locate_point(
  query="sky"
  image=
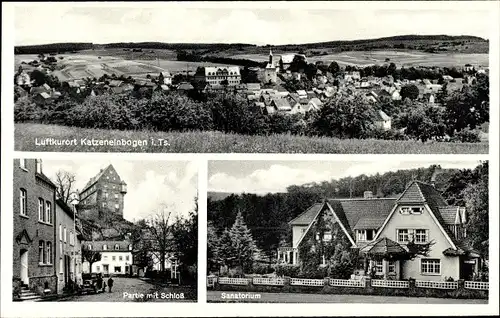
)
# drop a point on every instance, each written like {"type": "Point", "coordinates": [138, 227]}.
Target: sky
{"type": "Point", "coordinates": [287, 23]}
{"type": "Point", "coordinates": [150, 184]}
{"type": "Point", "coordinates": [275, 176]}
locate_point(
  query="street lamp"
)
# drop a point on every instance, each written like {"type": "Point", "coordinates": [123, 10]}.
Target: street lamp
{"type": "Point", "coordinates": [74, 202]}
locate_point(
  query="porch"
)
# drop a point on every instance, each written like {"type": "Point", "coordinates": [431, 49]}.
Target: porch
{"type": "Point", "coordinates": [383, 258]}
{"type": "Point", "coordinates": [288, 255]}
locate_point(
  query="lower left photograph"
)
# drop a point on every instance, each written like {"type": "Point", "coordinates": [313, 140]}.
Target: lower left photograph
{"type": "Point", "coordinates": [105, 231]}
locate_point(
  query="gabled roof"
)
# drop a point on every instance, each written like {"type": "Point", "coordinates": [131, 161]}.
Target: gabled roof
{"type": "Point", "coordinates": [383, 116]}
{"type": "Point", "coordinates": [449, 214]}
{"type": "Point", "coordinates": [383, 246]}
{"type": "Point", "coordinates": [306, 217]}
{"type": "Point", "coordinates": [110, 246]}
{"type": "Point", "coordinates": [281, 103]}
{"type": "Point", "coordinates": [98, 176]}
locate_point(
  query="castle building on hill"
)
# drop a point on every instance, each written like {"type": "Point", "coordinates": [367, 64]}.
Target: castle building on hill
{"type": "Point", "coordinates": [103, 194]}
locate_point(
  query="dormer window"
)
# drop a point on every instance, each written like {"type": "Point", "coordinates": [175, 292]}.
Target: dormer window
{"type": "Point", "coordinates": [365, 235]}
{"type": "Point", "coordinates": [89, 247]}
{"type": "Point", "coordinates": [117, 247]}
{"type": "Point", "coordinates": [411, 210]}
{"type": "Point", "coordinates": [104, 247]}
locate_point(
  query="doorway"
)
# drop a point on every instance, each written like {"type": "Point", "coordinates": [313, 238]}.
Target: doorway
{"type": "Point", "coordinates": [24, 267]}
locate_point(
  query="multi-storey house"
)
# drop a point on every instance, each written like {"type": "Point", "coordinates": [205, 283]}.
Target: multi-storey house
{"type": "Point", "coordinates": [387, 227]}
{"type": "Point", "coordinates": [116, 257]}
{"type": "Point", "coordinates": [34, 234]}
{"type": "Point", "coordinates": [68, 247]}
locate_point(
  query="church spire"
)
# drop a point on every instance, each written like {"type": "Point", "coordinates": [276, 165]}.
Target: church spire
{"type": "Point", "coordinates": [270, 56]}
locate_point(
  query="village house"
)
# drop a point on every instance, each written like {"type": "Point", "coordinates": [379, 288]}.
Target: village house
{"type": "Point", "coordinates": [68, 247]}
{"type": "Point", "coordinates": [116, 257]}
{"type": "Point", "coordinates": [383, 121]}
{"type": "Point", "coordinates": [34, 271]}
{"type": "Point", "coordinates": [386, 227]}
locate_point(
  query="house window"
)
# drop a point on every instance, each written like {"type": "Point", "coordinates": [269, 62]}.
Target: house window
{"type": "Point", "coordinates": [370, 235]}
{"type": "Point", "coordinates": [60, 232]}
{"type": "Point", "coordinates": [104, 247]}
{"type": "Point", "coordinates": [327, 236]}
{"type": "Point", "coordinates": [65, 234]}
{"type": "Point", "coordinates": [41, 252]}
{"type": "Point", "coordinates": [105, 257]}
{"type": "Point", "coordinates": [120, 258]}
{"type": "Point", "coordinates": [118, 269]}
{"type": "Point", "coordinates": [41, 212]}
{"type": "Point", "coordinates": [404, 210]}
{"type": "Point", "coordinates": [379, 266]}
{"type": "Point", "coordinates": [417, 210]}
{"type": "Point", "coordinates": [22, 202]}
{"type": "Point", "coordinates": [361, 235]}
{"type": "Point", "coordinates": [117, 247]}
{"type": "Point", "coordinates": [98, 268]}
{"type": "Point", "coordinates": [430, 266]}
{"type": "Point", "coordinates": [113, 258]}
{"type": "Point", "coordinates": [403, 235]}
{"type": "Point", "coordinates": [392, 267]}
{"type": "Point", "coordinates": [23, 163]}
{"type": "Point", "coordinates": [127, 258]}
{"type": "Point", "coordinates": [411, 210]}
{"type": "Point", "coordinates": [61, 266]}
{"type": "Point", "coordinates": [421, 236]}
{"type": "Point", "coordinates": [71, 238]}
{"type": "Point", "coordinates": [49, 253]}
{"type": "Point", "coordinates": [130, 247]}
{"type": "Point", "coordinates": [48, 212]}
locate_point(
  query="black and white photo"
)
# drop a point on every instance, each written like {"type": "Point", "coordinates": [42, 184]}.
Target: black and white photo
{"type": "Point", "coordinates": [100, 231]}
{"type": "Point", "coordinates": [348, 232]}
{"type": "Point", "coordinates": [251, 80]}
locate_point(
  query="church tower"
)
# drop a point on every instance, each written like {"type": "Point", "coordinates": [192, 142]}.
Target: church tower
{"type": "Point", "coordinates": [270, 73]}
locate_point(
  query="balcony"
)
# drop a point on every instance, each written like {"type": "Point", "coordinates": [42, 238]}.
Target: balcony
{"type": "Point", "coordinates": [288, 255]}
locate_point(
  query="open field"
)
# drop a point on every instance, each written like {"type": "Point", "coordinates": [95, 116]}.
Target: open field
{"type": "Point", "coordinates": [27, 135]}
{"type": "Point", "coordinates": [78, 66]}
{"type": "Point", "coordinates": [401, 58]}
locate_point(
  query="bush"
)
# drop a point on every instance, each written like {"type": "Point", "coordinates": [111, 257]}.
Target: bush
{"type": "Point", "coordinates": [262, 269]}
{"type": "Point", "coordinates": [287, 270]}
{"type": "Point", "coordinates": [466, 135]}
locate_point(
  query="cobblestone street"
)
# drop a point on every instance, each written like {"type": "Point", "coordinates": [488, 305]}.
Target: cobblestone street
{"type": "Point", "coordinates": [134, 289]}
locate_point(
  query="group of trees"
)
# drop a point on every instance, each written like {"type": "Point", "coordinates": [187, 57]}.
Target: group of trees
{"type": "Point", "coordinates": [232, 249]}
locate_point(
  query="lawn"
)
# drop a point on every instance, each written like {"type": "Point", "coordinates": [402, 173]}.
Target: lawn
{"type": "Point", "coordinates": [27, 135]}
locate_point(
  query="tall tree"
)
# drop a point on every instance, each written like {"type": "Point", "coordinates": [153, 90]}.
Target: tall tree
{"type": "Point", "coordinates": [243, 243]}
{"type": "Point", "coordinates": [90, 256]}
{"type": "Point", "coordinates": [65, 182]}
{"type": "Point", "coordinates": [160, 226]}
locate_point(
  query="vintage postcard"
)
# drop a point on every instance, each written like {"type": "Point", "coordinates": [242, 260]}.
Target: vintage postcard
{"type": "Point", "coordinates": [348, 232]}
{"type": "Point", "coordinates": [83, 231]}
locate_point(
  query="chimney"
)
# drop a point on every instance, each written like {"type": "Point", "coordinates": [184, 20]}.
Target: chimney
{"type": "Point", "coordinates": [368, 194]}
{"type": "Point", "coordinates": [436, 172]}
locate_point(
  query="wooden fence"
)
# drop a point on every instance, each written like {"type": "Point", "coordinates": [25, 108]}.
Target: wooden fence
{"type": "Point", "coordinates": [279, 281]}
{"type": "Point", "coordinates": [347, 282]}
{"type": "Point", "coordinates": [307, 282]}
{"type": "Point", "coordinates": [268, 281]}
{"type": "Point", "coordinates": [439, 285]}
{"type": "Point", "coordinates": [390, 283]}
{"type": "Point", "coordinates": [477, 285]}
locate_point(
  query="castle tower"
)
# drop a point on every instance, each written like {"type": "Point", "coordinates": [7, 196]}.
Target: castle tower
{"type": "Point", "coordinates": [104, 194]}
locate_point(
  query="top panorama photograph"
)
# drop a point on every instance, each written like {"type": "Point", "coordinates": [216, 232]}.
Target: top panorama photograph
{"type": "Point", "coordinates": [182, 79]}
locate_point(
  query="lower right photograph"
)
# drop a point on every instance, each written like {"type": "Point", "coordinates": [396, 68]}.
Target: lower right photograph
{"type": "Point", "coordinates": [384, 231]}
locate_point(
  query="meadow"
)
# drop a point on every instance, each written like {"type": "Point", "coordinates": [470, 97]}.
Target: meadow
{"type": "Point", "coordinates": [27, 134]}
{"type": "Point", "coordinates": [401, 58]}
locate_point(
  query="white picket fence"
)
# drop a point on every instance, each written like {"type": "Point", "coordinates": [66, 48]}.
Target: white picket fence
{"type": "Point", "coordinates": [347, 282]}
{"type": "Point", "coordinates": [269, 281]}
{"type": "Point", "coordinates": [307, 282]}
{"type": "Point", "coordinates": [477, 285]}
{"type": "Point", "coordinates": [439, 285]}
{"type": "Point", "coordinates": [390, 283]}
{"type": "Point", "coordinates": [233, 281]}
